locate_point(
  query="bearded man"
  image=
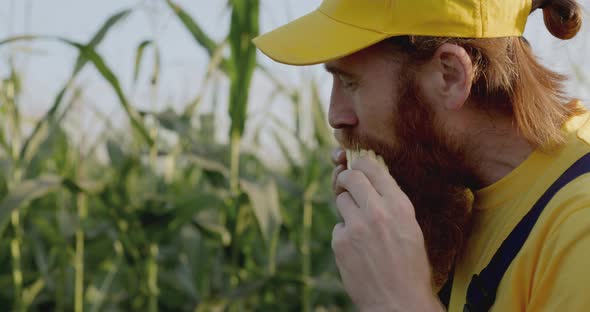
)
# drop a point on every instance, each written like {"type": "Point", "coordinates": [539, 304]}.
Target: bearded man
{"type": "Point", "coordinates": [487, 191]}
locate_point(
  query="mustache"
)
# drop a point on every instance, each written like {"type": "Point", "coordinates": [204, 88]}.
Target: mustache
{"type": "Point", "coordinates": [349, 139]}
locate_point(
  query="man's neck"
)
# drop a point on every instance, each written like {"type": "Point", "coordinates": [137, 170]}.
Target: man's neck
{"type": "Point", "coordinates": [496, 150]}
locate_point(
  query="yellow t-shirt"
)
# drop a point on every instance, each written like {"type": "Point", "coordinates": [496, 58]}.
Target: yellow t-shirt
{"type": "Point", "coordinates": [552, 270]}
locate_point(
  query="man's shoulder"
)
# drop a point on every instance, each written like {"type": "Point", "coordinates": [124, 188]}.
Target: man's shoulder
{"type": "Point", "coordinates": [575, 195]}
{"type": "Point", "coordinates": [565, 224]}
{"type": "Point", "coordinates": [583, 132]}
{"type": "Point", "coordinates": [561, 265]}
{"type": "Point", "coordinates": [570, 205]}
{"type": "Point", "coordinates": [568, 234]}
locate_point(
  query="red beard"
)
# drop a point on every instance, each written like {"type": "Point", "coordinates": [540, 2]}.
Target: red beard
{"type": "Point", "coordinates": [431, 169]}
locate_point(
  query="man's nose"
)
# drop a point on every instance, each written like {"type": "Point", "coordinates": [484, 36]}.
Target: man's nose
{"type": "Point", "coordinates": [341, 113]}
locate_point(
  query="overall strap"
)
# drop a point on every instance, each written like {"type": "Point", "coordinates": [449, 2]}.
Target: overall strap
{"type": "Point", "coordinates": [445, 292]}
{"type": "Point", "coordinates": [481, 293]}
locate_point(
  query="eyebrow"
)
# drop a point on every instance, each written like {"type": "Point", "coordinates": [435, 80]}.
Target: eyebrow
{"type": "Point", "coordinates": [338, 71]}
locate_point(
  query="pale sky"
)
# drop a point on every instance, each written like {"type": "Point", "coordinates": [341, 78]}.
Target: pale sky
{"type": "Point", "coordinates": [46, 66]}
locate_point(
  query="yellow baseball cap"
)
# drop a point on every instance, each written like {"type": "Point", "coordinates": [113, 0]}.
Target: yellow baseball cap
{"type": "Point", "coordinates": [341, 27]}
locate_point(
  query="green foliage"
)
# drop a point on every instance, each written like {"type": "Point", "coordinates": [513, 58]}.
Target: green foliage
{"type": "Point", "coordinates": [187, 224]}
{"type": "Point", "coordinates": [138, 58]}
{"type": "Point", "coordinates": [244, 27]}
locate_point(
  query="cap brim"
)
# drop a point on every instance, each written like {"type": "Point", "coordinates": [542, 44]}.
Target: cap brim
{"type": "Point", "coordinates": [315, 38]}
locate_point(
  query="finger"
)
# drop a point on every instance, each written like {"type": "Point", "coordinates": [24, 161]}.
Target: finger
{"type": "Point", "coordinates": [336, 188]}
{"type": "Point", "coordinates": [338, 228]}
{"type": "Point", "coordinates": [337, 236]}
{"type": "Point", "coordinates": [339, 156]}
{"type": "Point", "coordinates": [347, 207]}
{"type": "Point", "coordinates": [378, 176]}
{"type": "Point", "coordinates": [358, 185]}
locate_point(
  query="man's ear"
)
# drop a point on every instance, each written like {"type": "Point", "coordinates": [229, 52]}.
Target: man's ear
{"type": "Point", "coordinates": [447, 78]}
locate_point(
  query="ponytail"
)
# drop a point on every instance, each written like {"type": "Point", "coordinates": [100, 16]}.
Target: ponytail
{"type": "Point", "coordinates": [563, 18]}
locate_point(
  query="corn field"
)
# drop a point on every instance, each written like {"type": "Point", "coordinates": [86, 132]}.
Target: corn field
{"type": "Point", "coordinates": [171, 220]}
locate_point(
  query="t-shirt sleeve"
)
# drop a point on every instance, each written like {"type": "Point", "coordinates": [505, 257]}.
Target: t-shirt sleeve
{"type": "Point", "coordinates": [562, 279]}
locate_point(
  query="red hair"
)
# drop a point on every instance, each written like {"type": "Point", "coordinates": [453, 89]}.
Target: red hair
{"type": "Point", "coordinates": [506, 71]}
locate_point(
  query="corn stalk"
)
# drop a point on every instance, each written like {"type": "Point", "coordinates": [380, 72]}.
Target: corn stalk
{"type": "Point", "coordinates": [82, 205]}
{"type": "Point", "coordinates": [152, 272]}
{"type": "Point", "coordinates": [244, 27]}
{"type": "Point", "coordinates": [306, 245]}
{"type": "Point", "coordinates": [10, 91]}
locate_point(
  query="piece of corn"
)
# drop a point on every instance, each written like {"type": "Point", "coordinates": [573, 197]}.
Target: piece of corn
{"type": "Point", "coordinates": [352, 154]}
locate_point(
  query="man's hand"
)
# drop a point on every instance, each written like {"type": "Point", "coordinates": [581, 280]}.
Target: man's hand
{"type": "Point", "coordinates": [379, 246]}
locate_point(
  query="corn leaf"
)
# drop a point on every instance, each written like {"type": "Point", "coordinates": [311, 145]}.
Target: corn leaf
{"type": "Point", "coordinates": [191, 25]}
{"type": "Point", "coordinates": [31, 292]}
{"type": "Point", "coordinates": [7, 148]}
{"type": "Point", "coordinates": [99, 36]}
{"type": "Point", "coordinates": [210, 165]}
{"type": "Point", "coordinates": [25, 192]}
{"type": "Point", "coordinates": [110, 77]}
{"type": "Point", "coordinates": [47, 127]}
{"type": "Point", "coordinates": [139, 57]}
{"type": "Point", "coordinates": [208, 226]}
{"type": "Point", "coordinates": [264, 199]}
{"type": "Point", "coordinates": [172, 121]}
{"type": "Point", "coordinates": [38, 132]}
{"type": "Point", "coordinates": [41, 128]}
{"type": "Point", "coordinates": [19, 38]}
{"type": "Point", "coordinates": [215, 63]}
{"type": "Point", "coordinates": [196, 32]}
{"type": "Point", "coordinates": [116, 154]}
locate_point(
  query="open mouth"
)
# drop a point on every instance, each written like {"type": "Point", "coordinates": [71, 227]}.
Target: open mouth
{"type": "Point", "coordinates": [353, 154]}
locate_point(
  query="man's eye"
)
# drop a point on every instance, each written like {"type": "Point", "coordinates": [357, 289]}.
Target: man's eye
{"type": "Point", "coordinates": [347, 82]}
